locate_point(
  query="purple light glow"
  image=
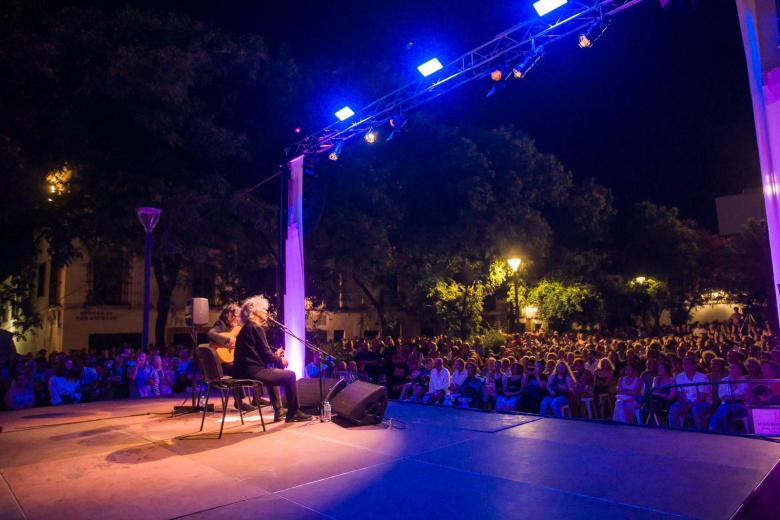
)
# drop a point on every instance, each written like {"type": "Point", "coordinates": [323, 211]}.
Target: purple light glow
{"type": "Point", "coordinates": [758, 21]}
{"type": "Point", "coordinates": [295, 295]}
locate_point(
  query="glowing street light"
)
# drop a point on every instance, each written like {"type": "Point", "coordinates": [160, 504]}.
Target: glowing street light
{"type": "Point", "coordinates": [640, 279]}
{"type": "Point", "coordinates": [514, 263]}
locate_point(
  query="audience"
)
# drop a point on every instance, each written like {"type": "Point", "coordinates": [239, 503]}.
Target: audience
{"type": "Point", "coordinates": [703, 377]}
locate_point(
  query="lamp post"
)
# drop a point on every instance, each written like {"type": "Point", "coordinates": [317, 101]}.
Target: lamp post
{"type": "Point", "coordinates": [514, 264]}
{"type": "Point", "coordinates": [149, 218]}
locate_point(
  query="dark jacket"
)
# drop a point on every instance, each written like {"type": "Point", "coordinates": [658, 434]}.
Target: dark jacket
{"type": "Point", "coordinates": [252, 350]}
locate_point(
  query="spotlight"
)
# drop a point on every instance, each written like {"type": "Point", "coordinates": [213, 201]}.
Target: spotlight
{"type": "Point", "coordinates": [336, 152]}
{"type": "Point", "coordinates": [297, 130]}
{"type": "Point", "coordinates": [429, 67]}
{"type": "Point", "coordinates": [526, 65]}
{"type": "Point", "coordinates": [345, 113]}
{"type": "Point", "coordinates": [545, 6]}
{"type": "Point", "coordinates": [370, 137]}
{"type": "Point", "coordinates": [497, 75]}
{"type": "Point", "coordinates": [596, 31]}
{"type": "Point", "coordinates": [397, 121]}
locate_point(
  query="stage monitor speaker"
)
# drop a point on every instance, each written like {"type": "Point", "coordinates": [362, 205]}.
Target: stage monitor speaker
{"type": "Point", "coordinates": [361, 403]}
{"type": "Point", "coordinates": [309, 391]}
{"type": "Point", "coordinates": [197, 312]}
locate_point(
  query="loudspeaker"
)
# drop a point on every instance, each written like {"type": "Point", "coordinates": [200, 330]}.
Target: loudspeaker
{"type": "Point", "coordinates": [361, 403]}
{"type": "Point", "coordinates": [309, 391]}
{"type": "Point", "coordinates": [197, 312]}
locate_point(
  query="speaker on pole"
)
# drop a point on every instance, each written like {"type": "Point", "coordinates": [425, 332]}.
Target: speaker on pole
{"type": "Point", "coordinates": [361, 403]}
{"type": "Point", "coordinates": [197, 312]}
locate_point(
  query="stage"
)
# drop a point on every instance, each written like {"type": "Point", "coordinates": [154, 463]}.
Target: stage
{"type": "Point", "coordinates": [130, 459]}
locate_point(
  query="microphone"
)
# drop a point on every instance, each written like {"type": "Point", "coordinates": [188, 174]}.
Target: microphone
{"type": "Point", "coordinates": [280, 325]}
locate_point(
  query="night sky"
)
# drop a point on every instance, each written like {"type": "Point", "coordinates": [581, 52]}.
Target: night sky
{"type": "Point", "coordinates": [658, 109]}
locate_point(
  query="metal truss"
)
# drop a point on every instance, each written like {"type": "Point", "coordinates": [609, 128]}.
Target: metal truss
{"type": "Point", "coordinates": [505, 51]}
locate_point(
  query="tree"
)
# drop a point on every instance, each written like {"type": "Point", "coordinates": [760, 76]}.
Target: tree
{"type": "Point", "coordinates": [560, 304]}
{"type": "Point", "coordinates": [459, 302]}
{"type": "Point", "coordinates": [149, 109]}
{"type": "Point", "coordinates": [746, 273]}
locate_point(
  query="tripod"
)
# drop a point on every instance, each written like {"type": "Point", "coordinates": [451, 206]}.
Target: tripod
{"type": "Point", "coordinates": [194, 407]}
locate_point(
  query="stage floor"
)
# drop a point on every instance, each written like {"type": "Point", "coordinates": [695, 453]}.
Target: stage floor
{"type": "Point", "coordinates": [132, 460]}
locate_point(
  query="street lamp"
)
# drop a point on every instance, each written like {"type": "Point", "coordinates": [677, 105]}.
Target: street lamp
{"type": "Point", "coordinates": [149, 218]}
{"type": "Point", "coordinates": [640, 280]}
{"type": "Point", "coordinates": [514, 264]}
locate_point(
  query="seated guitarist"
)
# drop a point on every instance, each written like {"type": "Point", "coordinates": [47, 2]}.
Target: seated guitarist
{"type": "Point", "coordinates": [222, 338]}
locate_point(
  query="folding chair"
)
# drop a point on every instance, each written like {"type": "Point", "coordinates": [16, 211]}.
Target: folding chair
{"type": "Point", "coordinates": [214, 378]}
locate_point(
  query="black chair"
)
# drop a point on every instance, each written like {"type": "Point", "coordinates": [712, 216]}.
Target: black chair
{"type": "Point", "coordinates": [214, 378]}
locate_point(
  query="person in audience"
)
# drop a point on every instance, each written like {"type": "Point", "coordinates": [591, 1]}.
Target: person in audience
{"type": "Point", "coordinates": [732, 393]}
{"type": "Point", "coordinates": [143, 378]}
{"type": "Point", "coordinates": [64, 385]}
{"type": "Point", "coordinates": [439, 382]}
{"type": "Point", "coordinates": [418, 395]}
{"type": "Point", "coordinates": [629, 391]}
{"type": "Point", "coordinates": [458, 376]}
{"type": "Point", "coordinates": [693, 398]}
{"type": "Point", "coordinates": [534, 388]}
{"type": "Point", "coordinates": [165, 376]}
{"type": "Point", "coordinates": [603, 381]}
{"type": "Point", "coordinates": [512, 389]}
{"type": "Point", "coordinates": [20, 393]}
{"type": "Point", "coordinates": [470, 392]}
{"type": "Point", "coordinates": [559, 386]}
{"type": "Point", "coordinates": [662, 393]}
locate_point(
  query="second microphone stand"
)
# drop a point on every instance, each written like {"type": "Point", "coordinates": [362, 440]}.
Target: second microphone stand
{"type": "Point", "coordinates": [321, 353]}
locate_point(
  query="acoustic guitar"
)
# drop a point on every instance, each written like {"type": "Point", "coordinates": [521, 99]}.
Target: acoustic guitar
{"type": "Point", "coordinates": [226, 354]}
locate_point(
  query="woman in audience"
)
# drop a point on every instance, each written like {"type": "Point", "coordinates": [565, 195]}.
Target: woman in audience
{"type": "Point", "coordinates": [603, 381]}
{"type": "Point", "coordinates": [512, 389]}
{"type": "Point", "coordinates": [733, 394]}
{"type": "Point", "coordinates": [559, 385]}
{"type": "Point", "coordinates": [458, 375]}
{"type": "Point", "coordinates": [143, 378]}
{"type": "Point", "coordinates": [534, 387]}
{"type": "Point", "coordinates": [629, 391]}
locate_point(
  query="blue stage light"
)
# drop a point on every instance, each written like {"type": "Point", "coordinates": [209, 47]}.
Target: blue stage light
{"type": "Point", "coordinates": [545, 6]}
{"type": "Point", "coordinates": [335, 153]}
{"type": "Point", "coordinates": [345, 113]}
{"type": "Point", "coordinates": [429, 67]}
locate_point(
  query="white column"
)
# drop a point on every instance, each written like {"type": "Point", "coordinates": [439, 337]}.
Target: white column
{"type": "Point", "coordinates": [759, 24]}
{"type": "Point", "coordinates": [295, 289]}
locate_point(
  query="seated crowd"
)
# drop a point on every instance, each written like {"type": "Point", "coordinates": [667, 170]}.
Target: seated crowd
{"type": "Point", "coordinates": [568, 374]}
{"type": "Point", "coordinates": [78, 377]}
{"type": "Point", "coordinates": [581, 375]}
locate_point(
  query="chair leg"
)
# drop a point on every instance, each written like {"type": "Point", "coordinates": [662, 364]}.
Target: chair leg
{"type": "Point", "coordinates": [257, 391]}
{"type": "Point", "coordinates": [205, 407]}
{"type": "Point", "coordinates": [225, 394]}
{"type": "Point", "coordinates": [239, 402]}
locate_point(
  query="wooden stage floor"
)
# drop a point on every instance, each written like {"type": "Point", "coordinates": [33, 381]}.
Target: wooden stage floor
{"type": "Point", "coordinates": [130, 459]}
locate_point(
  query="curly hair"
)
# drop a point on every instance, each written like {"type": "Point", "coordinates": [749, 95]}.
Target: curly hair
{"type": "Point", "coordinates": [252, 305]}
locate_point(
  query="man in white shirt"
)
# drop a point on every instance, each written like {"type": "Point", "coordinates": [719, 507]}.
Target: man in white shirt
{"type": "Point", "coordinates": [694, 399]}
{"type": "Point", "coordinates": [732, 398]}
{"type": "Point", "coordinates": [440, 377]}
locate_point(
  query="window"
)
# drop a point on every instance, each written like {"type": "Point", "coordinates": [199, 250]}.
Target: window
{"type": "Point", "coordinates": [109, 282]}
{"type": "Point", "coordinates": [41, 280]}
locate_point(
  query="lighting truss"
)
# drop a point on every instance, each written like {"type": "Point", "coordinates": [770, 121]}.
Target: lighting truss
{"type": "Point", "coordinates": [506, 49]}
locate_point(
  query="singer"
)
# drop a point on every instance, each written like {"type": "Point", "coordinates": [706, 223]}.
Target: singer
{"type": "Point", "coordinates": [254, 359]}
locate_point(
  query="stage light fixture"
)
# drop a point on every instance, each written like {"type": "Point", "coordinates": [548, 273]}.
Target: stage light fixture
{"type": "Point", "coordinates": [429, 67]}
{"type": "Point", "coordinates": [596, 31]}
{"type": "Point", "coordinates": [335, 153]}
{"type": "Point", "coordinates": [345, 113]}
{"type": "Point", "coordinates": [526, 65]}
{"type": "Point", "coordinates": [371, 136]}
{"type": "Point", "coordinates": [497, 75]}
{"type": "Point", "coordinates": [546, 6]}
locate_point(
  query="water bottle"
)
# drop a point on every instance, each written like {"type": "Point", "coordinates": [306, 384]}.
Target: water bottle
{"type": "Point", "coordinates": [326, 411]}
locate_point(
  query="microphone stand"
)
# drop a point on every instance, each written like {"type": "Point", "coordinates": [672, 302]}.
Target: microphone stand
{"type": "Point", "coordinates": [313, 348]}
